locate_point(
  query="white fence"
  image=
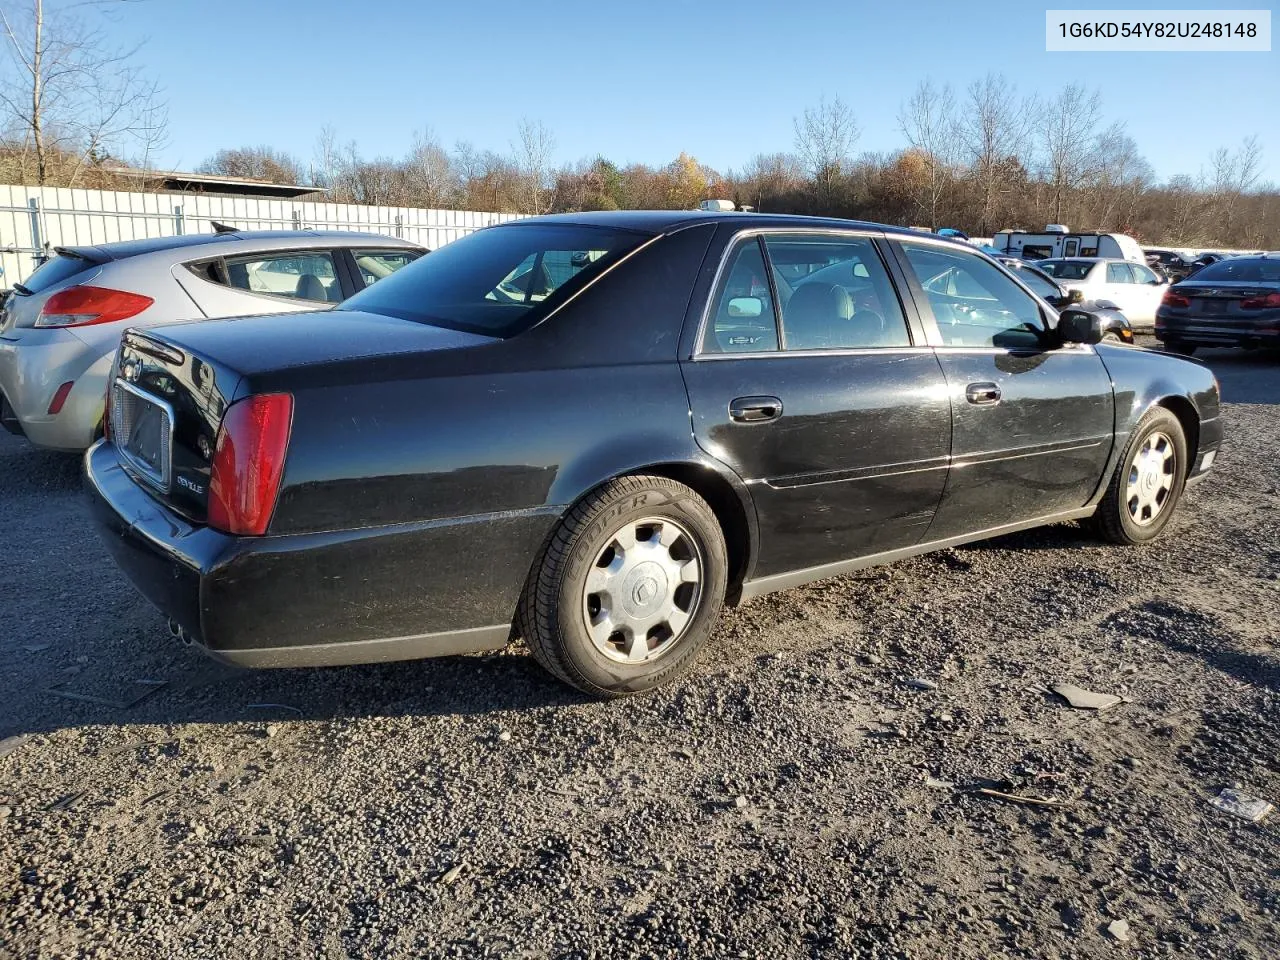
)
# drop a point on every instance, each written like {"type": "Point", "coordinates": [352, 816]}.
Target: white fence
{"type": "Point", "coordinates": [34, 220]}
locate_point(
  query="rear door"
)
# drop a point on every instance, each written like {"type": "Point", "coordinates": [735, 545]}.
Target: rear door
{"type": "Point", "coordinates": [272, 281]}
{"type": "Point", "coordinates": [1032, 427]}
{"type": "Point", "coordinates": [1147, 292]}
{"type": "Point", "coordinates": [808, 379]}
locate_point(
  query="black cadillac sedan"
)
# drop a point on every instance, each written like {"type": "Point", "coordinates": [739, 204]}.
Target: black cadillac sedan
{"type": "Point", "coordinates": [591, 431]}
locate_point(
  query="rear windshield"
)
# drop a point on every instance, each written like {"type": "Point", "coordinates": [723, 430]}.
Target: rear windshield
{"type": "Point", "coordinates": [1067, 269]}
{"type": "Point", "coordinates": [498, 281]}
{"type": "Point", "coordinates": [52, 272]}
{"type": "Point", "coordinates": [1257, 270]}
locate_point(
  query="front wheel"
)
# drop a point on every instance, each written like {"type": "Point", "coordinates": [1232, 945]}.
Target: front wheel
{"type": "Point", "coordinates": [1147, 483]}
{"type": "Point", "coordinates": [1112, 337]}
{"type": "Point", "coordinates": [628, 587]}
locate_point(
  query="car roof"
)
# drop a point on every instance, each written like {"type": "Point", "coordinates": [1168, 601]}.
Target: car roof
{"type": "Point", "coordinates": [252, 239]}
{"type": "Point", "coordinates": [665, 221]}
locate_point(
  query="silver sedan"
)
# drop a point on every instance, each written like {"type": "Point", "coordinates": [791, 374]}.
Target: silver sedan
{"type": "Point", "coordinates": [60, 328]}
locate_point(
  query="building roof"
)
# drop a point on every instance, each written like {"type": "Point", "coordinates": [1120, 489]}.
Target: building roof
{"type": "Point", "coordinates": [215, 183]}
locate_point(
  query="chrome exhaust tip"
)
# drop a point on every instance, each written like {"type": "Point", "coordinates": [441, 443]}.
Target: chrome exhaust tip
{"type": "Point", "coordinates": [176, 631]}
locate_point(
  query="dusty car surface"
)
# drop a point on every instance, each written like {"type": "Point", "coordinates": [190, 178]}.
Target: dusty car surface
{"type": "Point", "coordinates": [593, 430]}
{"type": "Point", "coordinates": [59, 330]}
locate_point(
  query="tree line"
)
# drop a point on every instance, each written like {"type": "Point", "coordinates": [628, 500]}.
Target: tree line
{"type": "Point", "coordinates": [982, 157]}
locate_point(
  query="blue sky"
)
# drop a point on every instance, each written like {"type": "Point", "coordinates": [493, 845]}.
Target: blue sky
{"type": "Point", "coordinates": [643, 81]}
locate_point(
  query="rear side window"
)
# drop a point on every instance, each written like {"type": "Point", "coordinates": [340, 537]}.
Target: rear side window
{"type": "Point", "coordinates": [743, 319]}
{"type": "Point", "coordinates": [501, 280]}
{"type": "Point", "coordinates": [835, 294]}
{"type": "Point", "coordinates": [52, 272]}
{"type": "Point", "coordinates": [376, 265]}
{"type": "Point", "coordinates": [1119, 273]}
{"type": "Point", "coordinates": [307, 276]}
{"type": "Point", "coordinates": [974, 302]}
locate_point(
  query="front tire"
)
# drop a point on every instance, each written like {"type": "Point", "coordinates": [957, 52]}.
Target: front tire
{"type": "Point", "coordinates": [627, 589]}
{"type": "Point", "coordinates": [1148, 481]}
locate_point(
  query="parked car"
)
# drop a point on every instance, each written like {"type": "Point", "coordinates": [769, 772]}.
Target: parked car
{"type": "Point", "coordinates": [60, 329]}
{"type": "Point", "coordinates": [1170, 264]}
{"type": "Point", "coordinates": [439, 465]}
{"type": "Point", "coordinates": [1232, 303]}
{"type": "Point", "coordinates": [1202, 261]}
{"type": "Point", "coordinates": [1113, 323]}
{"type": "Point", "coordinates": [1132, 287]}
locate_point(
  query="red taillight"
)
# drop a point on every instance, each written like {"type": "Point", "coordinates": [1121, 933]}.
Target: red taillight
{"type": "Point", "coordinates": [248, 462]}
{"type": "Point", "coordinates": [1261, 303]}
{"type": "Point", "coordinates": [1172, 299]}
{"type": "Point", "coordinates": [60, 397]}
{"type": "Point", "coordinates": [81, 306]}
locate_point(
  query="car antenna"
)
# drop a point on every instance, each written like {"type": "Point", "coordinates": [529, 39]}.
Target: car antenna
{"type": "Point", "coordinates": [223, 227]}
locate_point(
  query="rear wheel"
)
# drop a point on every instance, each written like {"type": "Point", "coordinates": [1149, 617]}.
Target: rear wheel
{"type": "Point", "coordinates": [1147, 484]}
{"type": "Point", "coordinates": [627, 589]}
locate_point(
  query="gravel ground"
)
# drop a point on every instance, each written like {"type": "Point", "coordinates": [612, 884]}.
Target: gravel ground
{"type": "Point", "coordinates": [795, 797]}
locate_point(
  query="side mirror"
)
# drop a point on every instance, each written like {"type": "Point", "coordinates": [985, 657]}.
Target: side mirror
{"type": "Point", "coordinates": [1076, 296]}
{"type": "Point", "coordinates": [1077, 326]}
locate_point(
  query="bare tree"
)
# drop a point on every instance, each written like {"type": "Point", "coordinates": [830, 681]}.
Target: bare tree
{"type": "Point", "coordinates": [1071, 130]}
{"type": "Point", "coordinates": [429, 170]}
{"type": "Point", "coordinates": [825, 136]}
{"type": "Point", "coordinates": [325, 163]}
{"type": "Point", "coordinates": [533, 158]}
{"type": "Point", "coordinates": [928, 120]}
{"type": "Point", "coordinates": [994, 132]}
{"type": "Point", "coordinates": [72, 96]}
{"type": "Point", "coordinates": [254, 163]}
{"type": "Point", "coordinates": [769, 179]}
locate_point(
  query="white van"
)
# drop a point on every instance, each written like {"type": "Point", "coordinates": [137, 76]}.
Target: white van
{"type": "Point", "coordinates": [1057, 241]}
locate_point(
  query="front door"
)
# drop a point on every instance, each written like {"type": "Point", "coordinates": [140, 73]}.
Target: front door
{"type": "Point", "coordinates": [808, 382]}
{"type": "Point", "coordinates": [1032, 427]}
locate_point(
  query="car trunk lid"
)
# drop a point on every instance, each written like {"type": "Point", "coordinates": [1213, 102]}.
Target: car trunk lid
{"type": "Point", "coordinates": [172, 387]}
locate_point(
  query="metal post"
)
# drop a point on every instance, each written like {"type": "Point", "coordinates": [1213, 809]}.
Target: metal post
{"type": "Point", "coordinates": [297, 220]}
{"type": "Point", "coordinates": [37, 238]}
{"type": "Point", "coordinates": [399, 226]}
{"type": "Point", "coordinates": [179, 223]}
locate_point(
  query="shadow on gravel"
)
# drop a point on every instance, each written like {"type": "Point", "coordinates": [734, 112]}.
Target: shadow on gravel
{"type": "Point", "coordinates": [1060, 536]}
{"type": "Point", "coordinates": [1195, 634]}
{"type": "Point", "coordinates": [1246, 376]}
{"type": "Point", "coordinates": [26, 469]}
{"type": "Point", "coordinates": [198, 690]}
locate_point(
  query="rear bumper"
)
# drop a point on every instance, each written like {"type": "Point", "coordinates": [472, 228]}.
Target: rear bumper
{"type": "Point", "coordinates": [1202, 332]}
{"type": "Point", "coordinates": [1211, 434]}
{"type": "Point", "coordinates": [31, 370]}
{"type": "Point", "coordinates": [360, 596]}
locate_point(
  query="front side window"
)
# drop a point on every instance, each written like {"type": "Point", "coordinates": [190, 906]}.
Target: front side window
{"type": "Point", "coordinates": [1119, 273]}
{"type": "Point", "coordinates": [743, 318]}
{"type": "Point", "coordinates": [974, 303]}
{"type": "Point", "coordinates": [1143, 274]}
{"type": "Point", "coordinates": [501, 280]}
{"type": "Point", "coordinates": [374, 265]}
{"type": "Point", "coordinates": [835, 293]}
{"type": "Point", "coordinates": [300, 275]}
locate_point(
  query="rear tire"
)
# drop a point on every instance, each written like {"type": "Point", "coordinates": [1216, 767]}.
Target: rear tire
{"type": "Point", "coordinates": [627, 589]}
{"type": "Point", "coordinates": [1144, 491]}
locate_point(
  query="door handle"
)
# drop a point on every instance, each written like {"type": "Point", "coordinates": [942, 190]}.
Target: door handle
{"type": "Point", "coordinates": [982, 394]}
{"type": "Point", "coordinates": [755, 409]}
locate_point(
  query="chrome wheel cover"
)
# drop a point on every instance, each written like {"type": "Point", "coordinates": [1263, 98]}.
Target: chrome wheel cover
{"type": "Point", "coordinates": [642, 590]}
{"type": "Point", "coordinates": [1149, 485]}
